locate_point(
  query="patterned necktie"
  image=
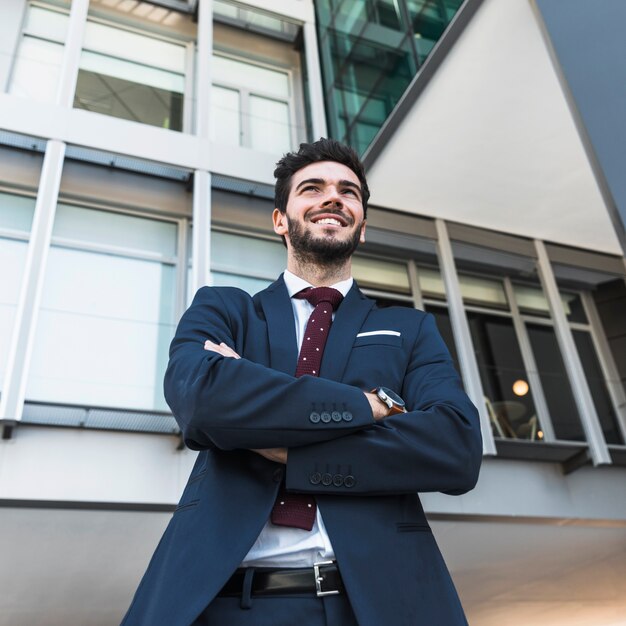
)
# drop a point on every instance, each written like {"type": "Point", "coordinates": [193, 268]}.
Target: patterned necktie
{"type": "Point", "coordinates": [297, 510]}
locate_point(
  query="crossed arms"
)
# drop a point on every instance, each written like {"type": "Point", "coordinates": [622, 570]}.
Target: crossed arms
{"type": "Point", "coordinates": [225, 402]}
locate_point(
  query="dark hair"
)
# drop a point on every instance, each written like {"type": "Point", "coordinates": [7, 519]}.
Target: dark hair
{"type": "Point", "coordinates": [321, 150]}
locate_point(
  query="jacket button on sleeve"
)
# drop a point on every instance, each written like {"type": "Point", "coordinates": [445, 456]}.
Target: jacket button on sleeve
{"type": "Point", "coordinates": [315, 478]}
{"type": "Point", "coordinates": [336, 416]}
{"type": "Point", "coordinates": [314, 417]}
{"type": "Point", "coordinates": [349, 481]}
{"type": "Point", "coordinates": [277, 476]}
{"type": "Point", "coordinates": [325, 417]}
{"type": "Point", "coordinates": [347, 416]}
{"type": "Point", "coordinates": [337, 480]}
{"type": "Point", "coordinates": [327, 480]}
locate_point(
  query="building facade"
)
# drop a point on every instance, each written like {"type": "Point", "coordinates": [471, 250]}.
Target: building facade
{"type": "Point", "coordinates": [137, 145]}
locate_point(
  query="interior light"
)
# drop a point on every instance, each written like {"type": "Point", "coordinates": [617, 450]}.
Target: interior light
{"type": "Point", "coordinates": [520, 387]}
{"type": "Point", "coordinates": [540, 434]}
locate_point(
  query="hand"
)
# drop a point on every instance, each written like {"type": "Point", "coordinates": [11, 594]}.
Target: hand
{"type": "Point", "coordinates": [279, 455]}
{"type": "Point", "coordinates": [379, 409]}
{"type": "Point", "coordinates": [222, 349]}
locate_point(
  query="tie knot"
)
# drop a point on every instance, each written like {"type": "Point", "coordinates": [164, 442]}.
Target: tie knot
{"type": "Point", "coordinates": [315, 295]}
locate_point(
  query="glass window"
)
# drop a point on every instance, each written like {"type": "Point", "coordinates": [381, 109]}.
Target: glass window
{"type": "Point", "coordinates": [107, 314]}
{"type": "Point", "coordinates": [118, 230]}
{"type": "Point", "coordinates": [431, 283]}
{"type": "Point", "coordinates": [442, 317]}
{"type": "Point", "coordinates": [385, 275]}
{"type": "Point", "coordinates": [255, 77]}
{"type": "Point", "coordinates": [555, 383]}
{"type": "Point", "coordinates": [504, 379]}
{"type": "Point", "coordinates": [597, 386]}
{"type": "Point", "coordinates": [370, 52]}
{"type": "Point", "coordinates": [226, 117]}
{"type": "Point", "coordinates": [132, 76]}
{"type": "Point", "coordinates": [574, 309]}
{"type": "Point", "coordinates": [245, 262]}
{"type": "Point", "coordinates": [16, 216]}
{"type": "Point", "coordinates": [532, 300]}
{"type": "Point", "coordinates": [269, 125]}
{"type": "Point", "coordinates": [253, 19]}
{"type": "Point", "coordinates": [476, 290]}
{"type": "Point", "coordinates": [37, 65]}
{"type": "Point", "coordinates": [251, 105]}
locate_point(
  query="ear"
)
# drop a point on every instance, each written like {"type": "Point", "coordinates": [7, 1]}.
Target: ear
{"type": "Point", "coordinates": [362, 236]}
{"type": "Point", "coordinates": [280, 222]}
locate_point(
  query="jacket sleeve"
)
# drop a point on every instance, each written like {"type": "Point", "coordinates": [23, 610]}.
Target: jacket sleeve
{"type": "Point", "coordinates": [235, 403]}
{"type": "Point", "coordinates": [435, 446]}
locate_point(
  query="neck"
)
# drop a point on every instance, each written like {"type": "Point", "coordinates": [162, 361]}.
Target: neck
{"type": "Point", "coordinates": [320, 275]}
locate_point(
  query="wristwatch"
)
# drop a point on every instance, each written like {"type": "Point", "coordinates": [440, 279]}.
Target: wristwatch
{"type": "Point", "coordinates": [391, 399]}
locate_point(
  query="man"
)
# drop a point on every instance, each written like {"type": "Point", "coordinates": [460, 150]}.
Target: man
{"type": "Point", "coordinates": [295, 400]}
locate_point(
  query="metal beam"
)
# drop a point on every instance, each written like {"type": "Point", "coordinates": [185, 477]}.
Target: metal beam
{"type": "Point", "coordinates": [23, 336]}
{"type": "Point", "coordinates": [71, 52]}
{"type": "Point", "coordinates": [203, 69]}
{"type": "Point", "coordinates": [314, 73]}
{"type": "Point", "coordinates": [582, 395]}
{"type": "Point", "coordinates": [201, 231]}
{"type": "Point", "coordinates": [462, 336]}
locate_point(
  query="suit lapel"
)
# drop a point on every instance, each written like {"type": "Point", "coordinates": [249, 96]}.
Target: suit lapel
{"type": "Point", "coordinates": [348, 321]}
{"type": "Point", "coordinates": [281, 328]}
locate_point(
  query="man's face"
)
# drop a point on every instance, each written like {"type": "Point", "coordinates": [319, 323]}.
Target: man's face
{"type": "Point", "coordinates": [324, 220]}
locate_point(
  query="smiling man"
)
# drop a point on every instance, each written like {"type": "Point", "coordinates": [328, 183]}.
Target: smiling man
{"type": "Point", "coordinates": [318, 418]}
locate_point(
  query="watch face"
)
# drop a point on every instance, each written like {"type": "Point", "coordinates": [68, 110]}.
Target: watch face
{"type": "Point", "coordinates": [393, 396]}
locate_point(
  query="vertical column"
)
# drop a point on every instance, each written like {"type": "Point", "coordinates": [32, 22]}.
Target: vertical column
{"type": "Point", "coordinates": [201, 231]}
{"type": "Point", "coordinates": [314, 72]}
{"type": "Point", "coordinates": [12, 401]}
{"type": "Point", "coordinates": [462, 337]}
{"type": "Point", "coordinates": [573, 366]}
{"type": "Point", "coordinates": [203, 68]}
{"type": "Point", "coordinates": [71, 52]}
{"type": "Point", "coordinates": [418, 301]}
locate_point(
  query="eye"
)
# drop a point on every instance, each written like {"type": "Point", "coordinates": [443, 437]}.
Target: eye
{"type": "Point", "coordinates": [309, 188]}
{"type": "Point", "coordinates": [350, 191]}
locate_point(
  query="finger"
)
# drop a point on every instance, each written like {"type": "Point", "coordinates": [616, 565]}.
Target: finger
{"type": "Point", "coordinates": [229, 351]}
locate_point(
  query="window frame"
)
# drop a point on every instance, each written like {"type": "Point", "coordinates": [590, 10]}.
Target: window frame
{"type": "Point", "coordinates": [245, 133]}
{"type": "Point", "coordinates": [186, 42]}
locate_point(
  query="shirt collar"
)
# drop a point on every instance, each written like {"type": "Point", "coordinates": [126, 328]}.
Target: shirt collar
{"type": "Point", "coordinates": [296, 284]}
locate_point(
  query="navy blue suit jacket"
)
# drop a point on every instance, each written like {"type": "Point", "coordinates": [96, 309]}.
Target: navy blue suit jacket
{"type": "Point", "coordinates": [364, 474]}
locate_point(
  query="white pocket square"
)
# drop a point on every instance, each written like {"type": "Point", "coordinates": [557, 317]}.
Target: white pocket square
{"type": "Point", "coordinates": [369, 333]}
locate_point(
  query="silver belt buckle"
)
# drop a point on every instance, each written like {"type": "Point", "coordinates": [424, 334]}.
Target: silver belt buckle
{"type": "Point", "coordinates": [319, 579]}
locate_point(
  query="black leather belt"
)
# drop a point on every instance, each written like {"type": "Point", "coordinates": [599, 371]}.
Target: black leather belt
{"type": "Point", "coordinates": [323, 579]}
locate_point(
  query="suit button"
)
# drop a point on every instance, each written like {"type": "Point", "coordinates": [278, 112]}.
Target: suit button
{"type": "Point", "coordinates": [349, 481]}
{"type": "Point", "coordinates": [327, 480]}
{"type": "Point", "coordinates": [347, 416]}
{"type": "Point", "coordinates": [325, 417]}
{"type": "Point", "coordinates": [315, 478]}
{"type": "Point", "coordinates": [337, 480]}
{"type": "Point", "coordinates": [277, 476]}
{"type": "Point", "coordinates": [314, 417]}
{"type": "Point", "coordinates": [336, 416]}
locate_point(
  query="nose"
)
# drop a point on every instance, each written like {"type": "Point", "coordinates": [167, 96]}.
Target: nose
{"type": "Point", "coordinates": [333, 199]}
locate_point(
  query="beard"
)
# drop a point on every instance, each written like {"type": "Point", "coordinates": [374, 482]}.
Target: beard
{"type": "Point", "coordinates": [326, 251]}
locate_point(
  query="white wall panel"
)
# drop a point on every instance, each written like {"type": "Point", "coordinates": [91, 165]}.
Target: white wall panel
{"type": "Point", "coordinates": [491, 141]}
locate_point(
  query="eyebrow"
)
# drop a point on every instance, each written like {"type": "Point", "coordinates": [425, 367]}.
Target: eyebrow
{"type": "Point", "coordinates": [321, 181]}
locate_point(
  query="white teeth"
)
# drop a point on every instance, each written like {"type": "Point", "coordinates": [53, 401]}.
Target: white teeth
{"type": "Point", "coordinates": [329, 220]}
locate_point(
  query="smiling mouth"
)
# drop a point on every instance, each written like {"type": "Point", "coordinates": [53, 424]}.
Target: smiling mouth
{"type": "Point", "coordinates": [328, 220]}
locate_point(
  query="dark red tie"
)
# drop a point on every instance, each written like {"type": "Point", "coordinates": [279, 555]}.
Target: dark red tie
{"type": "Point", "coordinates": [297, 510]}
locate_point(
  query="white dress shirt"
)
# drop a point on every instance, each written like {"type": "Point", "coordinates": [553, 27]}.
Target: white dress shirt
{"type": "Point", "coordinates": [281, 546]}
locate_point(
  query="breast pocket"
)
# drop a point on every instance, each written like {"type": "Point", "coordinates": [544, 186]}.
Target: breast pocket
{"type": "Point", "coordinates": [378, 340]}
